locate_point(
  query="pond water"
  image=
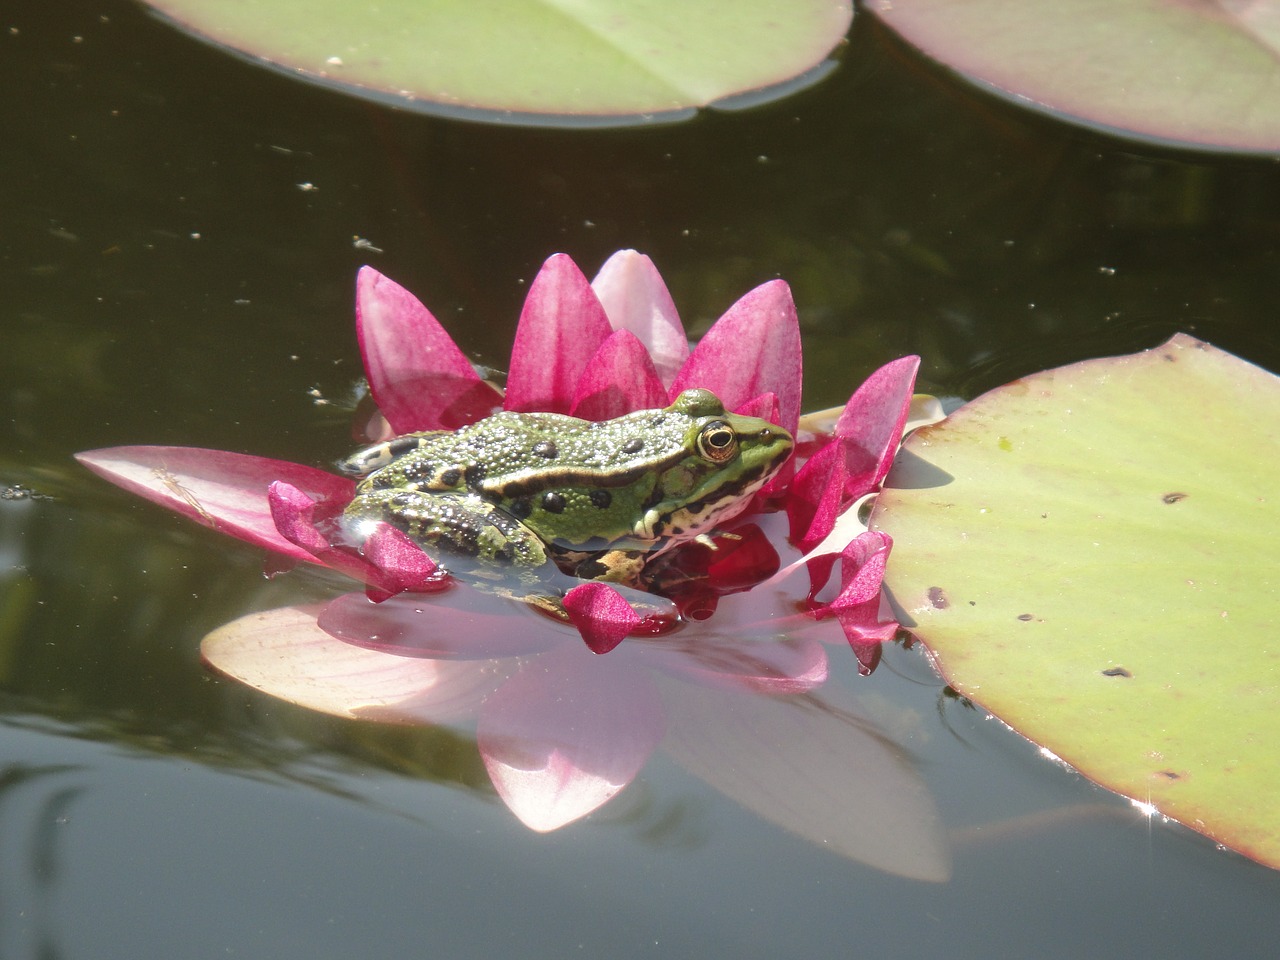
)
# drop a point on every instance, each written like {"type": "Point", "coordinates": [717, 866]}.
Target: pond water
{"type": "Point", "coordinates": [180, 236]}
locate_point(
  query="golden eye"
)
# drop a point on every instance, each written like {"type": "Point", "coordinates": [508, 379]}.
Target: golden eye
{"type": "Point", "coordinates": [717, 442]}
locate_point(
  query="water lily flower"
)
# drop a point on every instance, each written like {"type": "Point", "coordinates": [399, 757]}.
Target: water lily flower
{"type": "Point", "coordinates": [592, 349]}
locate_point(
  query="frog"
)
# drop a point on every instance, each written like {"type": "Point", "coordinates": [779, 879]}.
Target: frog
{"type": "Point", "coordinates": [531, 503]}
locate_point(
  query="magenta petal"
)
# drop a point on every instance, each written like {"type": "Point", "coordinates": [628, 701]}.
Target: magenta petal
{"type": "Point", "coordinates": [862, 569]}
{"type": "Point", "coordinates": [601, 614]}
{"type": "Point", "coordinates": [865, 632]}
{"type": "Point", "coordinates": [392, 552]}
{"type": "Point", "coordinates": [619, 378]}
{"type": "Point", "coordinates": [816, 497]}
{"type": "Point", "coordinates": [870, 429]}
{"type": "Point", "coordinates": [225, 491]}
{"type": "Point", "coordinates": [296, 514]}
{"type": "Point", "coordinates": [567, 733]}
{"type": "Point", "coordinates": [753, 349]}
{"type": "Point", "coordinates": [417, 374]}
{"type": "Point", "coordinates": [636, 299]}
{"type": "Point", "coordinates": [561, 327]}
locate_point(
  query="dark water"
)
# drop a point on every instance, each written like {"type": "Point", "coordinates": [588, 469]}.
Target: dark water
{"type": "Point", "coordinates": [165, 279]}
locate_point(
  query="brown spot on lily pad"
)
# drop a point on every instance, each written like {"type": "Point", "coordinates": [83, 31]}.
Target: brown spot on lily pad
{"type": "Point", "coordinates": [938, 598]}
{"type": "Point", "coordinates": [1174, 497]}
{"type": "Point", "coordinates": [1026, 617]}
{"type": "Point", "coordinates": [1116, 672]}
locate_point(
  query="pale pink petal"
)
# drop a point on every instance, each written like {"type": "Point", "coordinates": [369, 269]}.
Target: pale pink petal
{"type": "Point", "coordinates": [225, 491]}
{"type": "Point", "coordinates": [620, 378]}
{"type": "Point", "coordinates": [283, 653]}
{"type": "Point", "coordinates": [601, 615]}
{"type": "Point", "coordinates": [870, 429]}
{"type": "Point", "coordinates": [636, 299]}
{"type": "Point", "coordinates": [568, 732]}
{"type": "Point", "coordinates": [460, 623]}
{"type": "Point", "coordinates": [753, 349]}
{"type": "Point", "coordinates": [417, 374]}
{"type": "Point", "coordinates": [825, 771]}
{"type": "Point", "coordinates": [561, 327]}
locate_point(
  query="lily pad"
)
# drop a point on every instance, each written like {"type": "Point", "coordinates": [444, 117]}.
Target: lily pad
{"type": "Point", "coordinates": [1090, 553]}
{"type": "Point", "coordinates": [1203, 74]}
{"type": "Point", "coordinates": [560, 61]}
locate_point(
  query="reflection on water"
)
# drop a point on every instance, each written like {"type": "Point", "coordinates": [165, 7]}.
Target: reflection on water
{"type": "Point", "coordinates": [166, 279]}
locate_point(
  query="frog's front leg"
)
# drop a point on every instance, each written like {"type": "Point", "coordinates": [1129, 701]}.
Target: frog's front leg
{"type": "Point", "coordinates": [448, 526]}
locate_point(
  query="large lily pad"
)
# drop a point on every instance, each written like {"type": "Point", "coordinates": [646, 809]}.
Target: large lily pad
{"type": "Point", "coordinates": [523, 59]}
{"type": "Point", "coordinates": [1200, 74]}
{"type": "Point", "coordinates": [1091, 555]}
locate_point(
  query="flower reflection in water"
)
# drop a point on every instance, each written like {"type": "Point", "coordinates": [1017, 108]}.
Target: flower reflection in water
{"type": "Point", "coordinates": [562, 729]}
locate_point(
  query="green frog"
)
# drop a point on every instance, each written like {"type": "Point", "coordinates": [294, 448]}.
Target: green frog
{"type": "Point", "coordinates": [531, 497]}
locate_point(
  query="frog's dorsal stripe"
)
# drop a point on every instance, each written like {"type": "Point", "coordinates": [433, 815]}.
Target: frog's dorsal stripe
{"type": "Point", "coordinates": [525, 483]}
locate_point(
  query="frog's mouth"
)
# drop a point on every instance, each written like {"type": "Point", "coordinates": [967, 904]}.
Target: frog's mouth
{"type": "Point", "coordinates": [709, 506]}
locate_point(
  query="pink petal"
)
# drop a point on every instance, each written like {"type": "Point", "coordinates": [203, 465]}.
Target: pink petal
{"type": "Point", "coordinates": [392, 552]}
{"type": "Point", "coordinates": [567, 733]}
{"type": "Point", "coordinates": [296, 515]}
{"type": "Point", "coordinates": [458, 624]}
{"type": "Point", "coordinates": [561, 327]}
{"type": "Point", "coordinates": [222, 490]}
{"type": "Point", "coordinates": [417, 374]}
{"type": "Point", "coordinates": [862, 569]}
{"type": "Point", "coordinates": [620, 378]}
{"type": "Point", "coordinates": [865, 632]}
{"type": "Point", "coordinates": [635, 298]}
{"type": "Point", "coordinates": [870, 429]}
{"type": "Point", "coordinates": [601, 614]}
{"type": "Point", "coordinates": [816, 496]}
{"type": "Point", "coordinates": [859, 456]}
{"type": "Point", "coordinates": [284, 653]}
{"type": "Point", "coordinates": [753, 349]}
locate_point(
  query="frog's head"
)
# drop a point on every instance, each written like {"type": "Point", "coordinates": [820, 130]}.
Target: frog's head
{"type": "Point", "coordinates": [728, 458]}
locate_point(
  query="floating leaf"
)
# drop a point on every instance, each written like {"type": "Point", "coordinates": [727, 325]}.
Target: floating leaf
{"type": "Point", "coordinates": [1200, 74]}
{"type": "Point", "coordinates": [608, 61]}
{"type": "Point", "coordinates": [1091, 554]}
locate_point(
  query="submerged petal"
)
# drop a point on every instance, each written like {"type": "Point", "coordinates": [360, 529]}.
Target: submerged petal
{"type": "Point", "coordinates": [601, 614]}
{"type": "Point", "coordinates": [568, 732]}
{"type": "Point", "coordinates": [752, 350]}
{"type": "Point", "coordinates": [561, 327]}
{"type": "Point", "coordinates": [285, 654]}
{"type": "Point", "coordinates": [636, 299]}
{"type": "Point", "coordinates": [222, 490]}
{"type": "Point", "coordinates": [459, 624]}
{"type": "Point", "coordinates": [417, 374]}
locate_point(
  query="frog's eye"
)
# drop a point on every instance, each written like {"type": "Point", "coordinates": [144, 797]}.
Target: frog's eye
{"type": "Point", "coordinates": [717, 442]}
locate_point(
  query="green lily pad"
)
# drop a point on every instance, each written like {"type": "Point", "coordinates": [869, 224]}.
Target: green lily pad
{"type": "Point", "coordinates": [518, 61]}
{"type": "Point", "coordinates": [1198, 74]}
{"type": "Point", "coordinates": [1091, 555]}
